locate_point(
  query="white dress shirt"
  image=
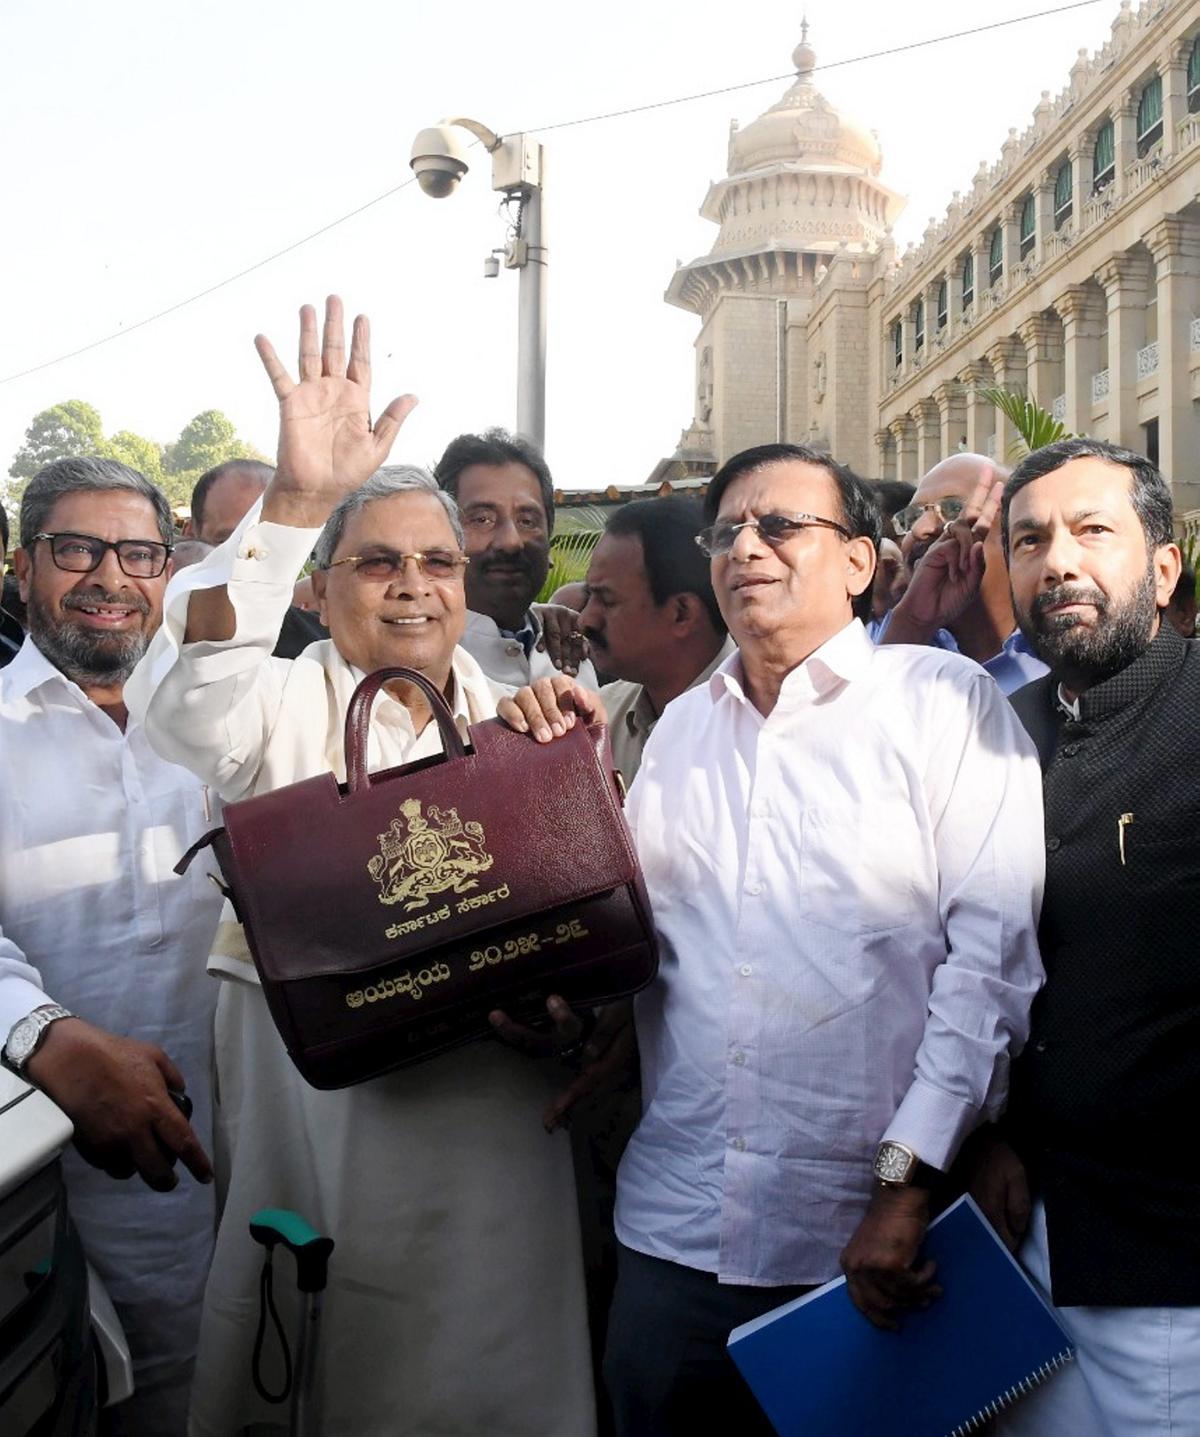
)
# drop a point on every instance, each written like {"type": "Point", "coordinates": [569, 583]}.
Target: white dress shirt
{"type": "Point", "coordinates": [454, 1215]}
{"type": "Point", "coordinates": [846, 894]}
{"type": "Point", "coordinates": [92, 821]}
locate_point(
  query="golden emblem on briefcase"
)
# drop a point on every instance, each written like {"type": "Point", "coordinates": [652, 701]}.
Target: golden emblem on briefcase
{"type": "Point", "coordinates": [420, 856]}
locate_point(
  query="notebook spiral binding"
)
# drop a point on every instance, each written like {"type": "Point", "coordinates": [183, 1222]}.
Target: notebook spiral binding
{"type": "Point", "coordinates": [1006, 1399]}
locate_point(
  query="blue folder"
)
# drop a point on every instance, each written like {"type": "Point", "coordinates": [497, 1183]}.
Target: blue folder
{"type": "Point", "coordinates": [820, 1369]}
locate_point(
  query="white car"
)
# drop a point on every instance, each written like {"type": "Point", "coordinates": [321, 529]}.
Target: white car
{"type": "Point", "coordinates": [62, 1352]}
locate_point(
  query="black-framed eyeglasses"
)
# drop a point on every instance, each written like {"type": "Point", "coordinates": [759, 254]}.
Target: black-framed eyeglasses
{"type": "Point", "coordinates": [384, 568]}
{"type": "Point", "coordinates": [773, 529]}
{"type": "Point", "coordinates": [947, 510]}
{"type": "Point", "coordinates": [83, 553]}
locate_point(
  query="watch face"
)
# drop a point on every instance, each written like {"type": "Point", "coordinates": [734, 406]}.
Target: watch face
{"type": "Point", "coordinates": [21, 1041]}
{"type": "Point", "coordinates": [894, 1163]}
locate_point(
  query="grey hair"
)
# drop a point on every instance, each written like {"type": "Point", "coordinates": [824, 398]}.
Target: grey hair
{"type": "Point", "coordinates": [385, 484]}
{"type": "Point", "coordinates": [87, 475]}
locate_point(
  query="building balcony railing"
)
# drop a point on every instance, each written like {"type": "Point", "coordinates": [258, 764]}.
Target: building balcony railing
{"type": "Point", "coordinates": [1099, 386]}
{"type": "Point", "coordinates": [1147, 361]}
{"type": "Point", "coordinates": [1058, 410]}
{"type": "Point", "coordinates": [1188, 132]}
{"type": "Point", "coordinates": [1142, 171]}
{"type": "Point", "coordinates": [1060, 242]}
{"type": "Point", "coordinates": [1096, 209]}
{"type": "Point", "coordinates": [1195, 335]}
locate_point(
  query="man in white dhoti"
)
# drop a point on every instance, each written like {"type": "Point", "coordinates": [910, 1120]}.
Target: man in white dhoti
{"type": "Point", "coordinates": [456, 1302]}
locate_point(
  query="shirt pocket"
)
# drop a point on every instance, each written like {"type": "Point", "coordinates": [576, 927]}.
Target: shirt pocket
{"type": "Point", "coordinates": [859, 867]}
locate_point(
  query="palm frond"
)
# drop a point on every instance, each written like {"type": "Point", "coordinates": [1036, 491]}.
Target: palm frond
{"type": "Point", "coordinates": [1035, 426]}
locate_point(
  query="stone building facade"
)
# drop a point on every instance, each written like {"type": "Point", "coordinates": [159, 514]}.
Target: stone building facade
{"type": "Point", "coordinates": [1069, 269]}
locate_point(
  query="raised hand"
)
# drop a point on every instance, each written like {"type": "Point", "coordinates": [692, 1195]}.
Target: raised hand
{"type": "Point", "coordinates": [948, 578]}
{"type": "Point", "coordinates": [328, 445]}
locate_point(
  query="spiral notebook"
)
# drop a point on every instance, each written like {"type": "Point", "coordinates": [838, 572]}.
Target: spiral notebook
{"type": "Point", "coordinates": [820, 1369]}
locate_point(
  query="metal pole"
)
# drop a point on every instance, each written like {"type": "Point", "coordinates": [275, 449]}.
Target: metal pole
{"type": "Point", "coordinates": [531, 313]}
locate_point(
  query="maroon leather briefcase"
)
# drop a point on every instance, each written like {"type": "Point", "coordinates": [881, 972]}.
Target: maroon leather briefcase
{"type": "Point", "coordinates": [388, 916]}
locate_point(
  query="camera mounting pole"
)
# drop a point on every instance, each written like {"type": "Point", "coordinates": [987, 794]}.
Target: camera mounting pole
{"type": "Point", "coordinates": [518, 171]}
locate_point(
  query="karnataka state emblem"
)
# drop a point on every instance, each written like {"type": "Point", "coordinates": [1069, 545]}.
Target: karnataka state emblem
{"type": "Point", "coordinates": [420, 856]}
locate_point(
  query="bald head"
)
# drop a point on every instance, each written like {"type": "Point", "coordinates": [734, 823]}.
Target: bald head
{"type": "Point", "coordinates": [953, 478]}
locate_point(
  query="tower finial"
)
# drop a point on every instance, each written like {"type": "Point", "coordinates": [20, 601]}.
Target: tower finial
{"type": "Point", "coordinates": [804, 57]}
{"type": "Point", "coordinates": [804, 29]}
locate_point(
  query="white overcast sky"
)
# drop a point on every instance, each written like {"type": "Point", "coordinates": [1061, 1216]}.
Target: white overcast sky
{"type": "Point", "coordinates": [151, 148]}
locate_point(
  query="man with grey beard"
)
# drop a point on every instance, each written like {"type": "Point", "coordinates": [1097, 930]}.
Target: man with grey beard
{"type": "Point", "coordinates": [1093, 1172]}
{"type": "Point", "coordinates": [102, 947]}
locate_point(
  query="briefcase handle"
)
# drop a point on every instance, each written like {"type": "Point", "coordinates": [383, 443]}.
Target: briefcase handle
{"type": "Point", "coordinates": [358, 722]}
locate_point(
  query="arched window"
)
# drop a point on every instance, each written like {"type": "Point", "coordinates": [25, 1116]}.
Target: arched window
{"type": "Point", "coordinates": [1193, 77]}
{"type": "Point", "coordinates": [968, 280]}
{"type": "Point", "coordinates": [1104, 158]}
{"type": "Point", "coordinates": [1062, 195]}
{"type": "Point", "coordinates": [1149, 116]}
{"type": "Point", "coordinates": [919, 324]}
{"type": "Point", "coordinates": [996, 255]}
{"type": "Point", "coordinates": [943, 301]}
{"type": "Point", "coordinates": [898, 344]}
{"type": "Point", "coordinates": [1028, 225]}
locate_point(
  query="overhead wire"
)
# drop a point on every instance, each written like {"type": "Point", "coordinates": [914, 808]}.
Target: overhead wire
{"type": "Point", "coordinates": [536, 129]}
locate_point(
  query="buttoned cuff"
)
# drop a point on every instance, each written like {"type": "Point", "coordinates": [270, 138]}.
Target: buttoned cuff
{"type": "Point", "coordinates": [931, 1124]}
{"type": "Point", "coordinates": [18, 998]}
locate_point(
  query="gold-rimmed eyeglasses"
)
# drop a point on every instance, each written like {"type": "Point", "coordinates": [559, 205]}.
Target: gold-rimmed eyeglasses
{"type": "Point", "coordinates": [384, 568]}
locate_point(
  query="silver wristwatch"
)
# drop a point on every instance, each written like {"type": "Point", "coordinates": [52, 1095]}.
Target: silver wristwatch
{"type": "Point", "coordinates": [26, 1034]}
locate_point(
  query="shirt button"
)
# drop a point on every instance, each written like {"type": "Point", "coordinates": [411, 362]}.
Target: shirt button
{"type": "Point", "coordinates": [1040, 1046]}
{"type": "Point", "coordinates": [753, 889]}
{"type": "Point", "coordinates": [1070, 750]}
{"type": "Point", "coordinates": [739, 1060]}
{"type": "Point", "coordinates": [739, 1145]}
{"type": "Point", "coordinates": [745, 970]}
{"type": "Point", "coordinates": [512, 650]}
{"type": "Point", "coordinates": [759, 808]}
{"type": "Point", "coordinates": [1053, 843]}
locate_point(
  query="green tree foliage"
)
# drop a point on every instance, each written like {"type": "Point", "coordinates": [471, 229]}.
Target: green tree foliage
{"type": "Point", "coordinates": [73, 428]}
{"type": "Point", "coordinates": [64, 431]}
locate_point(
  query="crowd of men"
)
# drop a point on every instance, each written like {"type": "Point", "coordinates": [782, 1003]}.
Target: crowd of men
{"type": "Point", "coordinates": [913, 809]}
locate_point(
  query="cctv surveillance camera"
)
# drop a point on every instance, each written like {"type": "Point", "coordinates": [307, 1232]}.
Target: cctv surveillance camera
{"type": "Point", "coordinates": [438, 160]}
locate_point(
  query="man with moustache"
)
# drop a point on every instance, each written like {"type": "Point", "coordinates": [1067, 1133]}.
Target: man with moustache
{"type": "Point", "coordinates": [1103, 1098]}
{"type": "Point", "coordinates": [504, 492]}
{"type": "Point", "coordinates": [102, 947]}
{"type": "Point", "coordinates": [958, 597]}
{"type": "Point", "coordinates": [841, 846]}
{"type": "Point", "coordinates": [650, 617]}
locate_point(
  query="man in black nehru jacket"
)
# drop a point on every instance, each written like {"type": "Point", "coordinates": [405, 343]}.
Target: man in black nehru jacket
{"type": "Point", "coordinates": [1103, 1101]}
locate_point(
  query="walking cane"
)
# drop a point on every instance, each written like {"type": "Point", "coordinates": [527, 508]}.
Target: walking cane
{"type": "Point", "coordinates": [270, 1227]}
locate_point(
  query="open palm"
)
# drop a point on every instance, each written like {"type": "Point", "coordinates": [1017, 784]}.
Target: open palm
{"type": "Point", "coordinates": [328, 446]}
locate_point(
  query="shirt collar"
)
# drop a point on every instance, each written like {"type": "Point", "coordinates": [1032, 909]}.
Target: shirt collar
{"type": "Point", "coordinates": [1158, 661]}
{"type": "Point", "coordinates": [30, 670]}
{"type": "Point", "coordinates": [840, 659]}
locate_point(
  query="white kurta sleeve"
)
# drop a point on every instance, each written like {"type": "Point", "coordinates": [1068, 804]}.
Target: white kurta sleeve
{"type": "Point", "coordinates": [21, 988]}
{"type": "Point", "coordinates": [984, 787]}
{"type": "Point", "coordinates": [210, 706]}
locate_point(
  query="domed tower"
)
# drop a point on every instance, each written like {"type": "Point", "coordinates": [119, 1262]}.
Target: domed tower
{"type": "Point", "coordinates": [802, 207]}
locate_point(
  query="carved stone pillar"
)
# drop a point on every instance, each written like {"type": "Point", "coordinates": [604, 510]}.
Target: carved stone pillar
{"type": "Point", "coordinates": [1123, 278]}
{"type": "Point", "coordinates": [904, 441]}
{"type": "Point", "coordinates": [981, 416]}
{"type": "Point", "coordinates": [1080, 154]}
{"type": "Point", "coordinates": [1011, 225]}
{"type": "Point", "coordinates": [1043, 201]}
{"type": "Point", "coordinates": [1125, 139]}
{"type": "Point", "coordinates": [1007, 358]}
{"type": "Point", "coordinates": [886, 465]}
{"type": "Point", "coordinates": [925, 418]}
{"type": "Point", "coordinates": [1081, 309]}
{"type": "Point", "coordinates": [979, 253]}
{"type": "Point", "coordinates": [1175, 244]}
{"type": "Point", "coordinates": [951, 400]}
{"type": "Point", "coordinates": [1174, 84]}
{"type": "Point", "coordinates": [1042, 337]}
